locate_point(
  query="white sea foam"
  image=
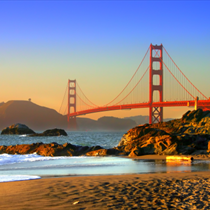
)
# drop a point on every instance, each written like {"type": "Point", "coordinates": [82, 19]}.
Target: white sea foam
{"type": "Point", "coordinates": [31, 166]}
{"type": "Point", "coordinates": [11, 159]}
{"type": "Point", "coordinates": [11, 178]}
{"type": "Point", "coordinates": [24, 135]}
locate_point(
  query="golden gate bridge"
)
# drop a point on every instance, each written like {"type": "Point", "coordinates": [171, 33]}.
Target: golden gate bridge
{"type": "Point", "coordinates": [168, 87]}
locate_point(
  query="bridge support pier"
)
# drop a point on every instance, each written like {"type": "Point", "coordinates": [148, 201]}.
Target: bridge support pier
{"type": "Point", "coordinates": [155, 114]}
{"type": "Point", "coordinates": [196, 102]}
{"type": "Point", "coordinates": [156, 55]}
{"type": "Point", "coordinates": [72, 122]}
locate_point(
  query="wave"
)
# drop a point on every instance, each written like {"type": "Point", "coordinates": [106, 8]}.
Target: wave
{"type": "Point", "coordinates": [23, 135]}
{"type": "Point", "coordinates": [11, 159]}
{"type": "Point", "coordinates": [11, 178]}
{"type": "Point", "coordinates": [79, 161]}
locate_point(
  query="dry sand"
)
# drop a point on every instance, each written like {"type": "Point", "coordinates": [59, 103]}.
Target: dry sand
{"type": "Point", "coordinates": [147, 191]}
{"type": "Point", "coordinates": [190, 190]}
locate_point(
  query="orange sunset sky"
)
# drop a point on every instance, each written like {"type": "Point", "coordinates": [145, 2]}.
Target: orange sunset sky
{"type": "Point", "coordinates": [98, 43]}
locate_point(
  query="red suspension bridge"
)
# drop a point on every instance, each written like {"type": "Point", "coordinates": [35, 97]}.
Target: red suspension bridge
{"type": "Point", "coordinates": [168, 87]}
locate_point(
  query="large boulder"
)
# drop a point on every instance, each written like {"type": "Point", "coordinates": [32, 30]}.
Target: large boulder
{"type": "Point", "coordinates": [188, 135]}
{"type": "Point", "coordinates": [18, 128]}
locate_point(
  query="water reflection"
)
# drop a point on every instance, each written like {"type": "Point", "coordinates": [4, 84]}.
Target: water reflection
{"type": "Point", "coordinates": [178, 166]}
{"type": "Point", "coordinates": [98, 165]}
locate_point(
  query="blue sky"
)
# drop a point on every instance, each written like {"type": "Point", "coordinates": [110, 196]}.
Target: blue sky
{"type": "Point", "coordinates": [99, 43]}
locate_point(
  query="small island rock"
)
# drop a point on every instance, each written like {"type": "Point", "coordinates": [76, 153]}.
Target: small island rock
{"type": "Point", "coordinates": [51, 132]}
{"type": "Point", "coordinates": [17, 128]}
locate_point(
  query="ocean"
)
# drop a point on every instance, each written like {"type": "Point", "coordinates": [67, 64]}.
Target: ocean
{"type": "Point", "coordinates": [33, 166]}
{"type": "Point", "coordinates": [106, 139]}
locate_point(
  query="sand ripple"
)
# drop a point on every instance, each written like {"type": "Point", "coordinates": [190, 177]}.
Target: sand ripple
{"type": "Point", "coordinates": [168, 191]}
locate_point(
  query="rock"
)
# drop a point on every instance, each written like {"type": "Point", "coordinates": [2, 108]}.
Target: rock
{"type": "Point", "coordinates": [23, 129]}
{"type": "Point", "coordinates": [140, 136]}
{"type": "Point", "coordinates": [52, 149]}
{"type": "Point", "coordinates": [85, 149]}
{"type": "Point", "coordinates": [188, 135]}
{"type": "Point", "coordinates": [18, 128]}
{"type": "Point", "coordinates": [51, 132]}
{"type": "Point", "coordinates": [105, 152]}
{"type": "Point", "coordinates": [195, 115]}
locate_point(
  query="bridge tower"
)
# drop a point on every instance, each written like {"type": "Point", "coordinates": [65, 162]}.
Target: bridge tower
{"type": "Point", "coordinates": [156, 55]}
{"type": "Point", "coordinates": [72, 122]}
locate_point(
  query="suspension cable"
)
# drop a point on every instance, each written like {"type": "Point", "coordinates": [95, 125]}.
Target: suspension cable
{"type": "Point", "coordinates": [134, 86]}
{"type": "Point", "coordinates": [85, 96]}
{"type": "Point", "coordinates": [184, 74]}
{"type": "Point", "coordinates": [178, 80]}
{"type": "Point", "coordinates": [130, 79]}
{"type": "Point", "coordinates": [63, 98]}
{"type": "Point", "coordinates": [83, 101]}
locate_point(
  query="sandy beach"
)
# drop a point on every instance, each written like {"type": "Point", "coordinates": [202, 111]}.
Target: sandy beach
{"type": "Point", "coordinates": [148, 191]}
{"type": "Point", "coordinates": [188, 190]}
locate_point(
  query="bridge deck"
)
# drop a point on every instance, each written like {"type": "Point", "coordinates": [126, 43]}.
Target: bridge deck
{"type": "Point", "coordinates": [201, 104]}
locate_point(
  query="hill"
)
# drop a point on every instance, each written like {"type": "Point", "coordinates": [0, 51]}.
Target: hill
{"type": "Point", "coordinates": [41, 118]}
{"type": "Point", "coordinates": [113, 123]}
{"type": "Point", "coordinates": [26, 112]}
{"type": "Point", "coordinates": [140, 119]}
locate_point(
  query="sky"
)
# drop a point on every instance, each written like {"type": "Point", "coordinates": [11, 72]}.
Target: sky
{"type": "Point", "coordinates": [98, 43]}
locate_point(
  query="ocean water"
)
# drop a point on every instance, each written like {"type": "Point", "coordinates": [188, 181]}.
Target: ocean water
{"type": "Point", "coordinates": [25, 167]}
{"type": "Point", "coordinates": [83, 138]}
{"type": "Point", "coordinates": [33, 166]}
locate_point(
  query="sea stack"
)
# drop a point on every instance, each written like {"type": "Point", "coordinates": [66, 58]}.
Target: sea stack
{"type": "Point", "coordinates": [17, 128]}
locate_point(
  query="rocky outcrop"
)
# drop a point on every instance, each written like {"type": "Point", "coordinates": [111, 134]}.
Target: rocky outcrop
{"type": "Point", "coordinates": [51, 132]}
{"type": "Point", "coordinates": [188, 135]}
{"type": "Point", "coordinates": [20, 129]}
{"type": "Point", "coordinates": [55, 149]}
{"type": "Point", "coordinates": [106, 152]}
{"type": "Point", "coordinates": [17, 129]}
{"type": "Point", "coordinates": [52, 149]}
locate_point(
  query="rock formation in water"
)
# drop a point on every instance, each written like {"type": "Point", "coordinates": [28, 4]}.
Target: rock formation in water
{"type": "Point", "coordinates": [52, 149]}
{"type": "Point", "coordinates": [20, 129]}
{"type": "Point", "coordinates": [51, 132]}
{"type": "Point", "coordinates": [188, 135]}
{"type": "Point", "coordinates": [17, 129]}
{"type": "Point", "coordinates": [55, 149]}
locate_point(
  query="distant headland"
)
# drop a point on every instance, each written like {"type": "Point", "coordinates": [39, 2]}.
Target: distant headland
{"type": "Point", "coordinates": [40, 118]}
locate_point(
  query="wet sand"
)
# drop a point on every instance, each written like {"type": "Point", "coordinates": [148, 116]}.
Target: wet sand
{"type": "Point", "coordinates": [190, 190]}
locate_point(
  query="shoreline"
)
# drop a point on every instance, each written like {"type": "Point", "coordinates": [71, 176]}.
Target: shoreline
{"type": "Point", "coordinates": [142, 176]}
{"type": "Point", "coordinates": [163, 190]}
{"type": "Point", "coordinates": [167, 190]}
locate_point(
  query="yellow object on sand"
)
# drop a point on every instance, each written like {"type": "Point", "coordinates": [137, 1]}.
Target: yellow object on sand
{"type": "Point", "coordinates": [179, 158]}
